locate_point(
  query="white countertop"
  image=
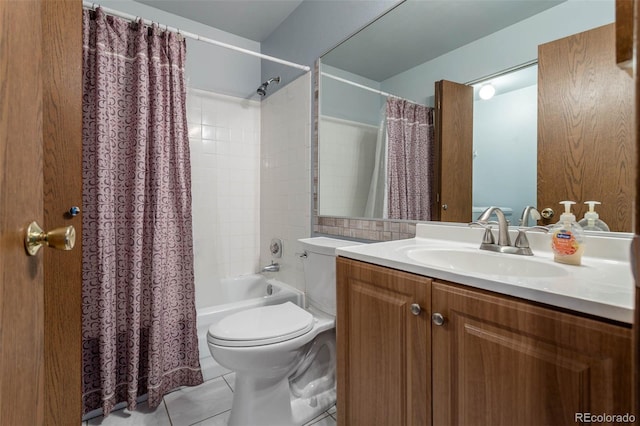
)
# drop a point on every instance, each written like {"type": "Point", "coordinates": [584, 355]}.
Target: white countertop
{"type": "Point", "coordinates": [602, 286]}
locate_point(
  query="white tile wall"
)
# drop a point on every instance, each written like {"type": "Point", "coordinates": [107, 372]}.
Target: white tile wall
{"type": "Point", "coordinates": [347, 150]}
{"type": "Point", "coordinates": [224, 135]}
{"type": "Point", "coordinates": [285, 185]}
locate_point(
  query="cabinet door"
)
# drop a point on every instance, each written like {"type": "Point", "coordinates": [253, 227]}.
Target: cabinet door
{"type": "Point", "coordinates": [383, 354]}
{"type": "Point", "coordinates": [500, 361]}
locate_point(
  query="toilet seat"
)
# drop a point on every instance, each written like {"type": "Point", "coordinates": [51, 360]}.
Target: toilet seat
{"type": "Point", "coordinates": [261, 326]}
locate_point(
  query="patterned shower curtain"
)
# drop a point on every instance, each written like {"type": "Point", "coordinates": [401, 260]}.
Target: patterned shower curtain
{"type": "Point", "coordinates": [410, 163]}
{"type": "Point", "coordinates": [139, 318]}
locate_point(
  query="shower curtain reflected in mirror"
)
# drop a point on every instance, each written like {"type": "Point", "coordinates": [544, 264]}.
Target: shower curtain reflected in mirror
{"type": "Point", "coordinates": [376, 206]}
{"type": "Point", "coordinates": [139, 318]}
{"type": "Point", "coordinates": [411, 147]}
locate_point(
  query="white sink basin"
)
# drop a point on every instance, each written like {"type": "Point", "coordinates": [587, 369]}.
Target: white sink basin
{"type": "Point", "coordinates": [486, 263]}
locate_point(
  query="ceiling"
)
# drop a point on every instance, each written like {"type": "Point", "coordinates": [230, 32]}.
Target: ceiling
{"type": "Point", "coordinates": [252, 19]}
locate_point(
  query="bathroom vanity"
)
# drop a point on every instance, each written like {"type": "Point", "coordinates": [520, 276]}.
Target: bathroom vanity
{"type": "Point", "coordinates": [437, 339]}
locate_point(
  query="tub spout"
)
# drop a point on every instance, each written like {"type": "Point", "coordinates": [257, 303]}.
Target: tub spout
{"type": "Point", "coordinates": [274, 267]}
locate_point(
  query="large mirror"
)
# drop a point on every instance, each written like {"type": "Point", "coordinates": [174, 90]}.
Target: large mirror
{"type": "Point", "coordinates": [402, 54]}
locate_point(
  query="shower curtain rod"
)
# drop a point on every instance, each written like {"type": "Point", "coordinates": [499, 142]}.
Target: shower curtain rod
{"type": "Point", "coordinates": [362, 86]}
{"type": "Point", "coordinates": [90, 5]}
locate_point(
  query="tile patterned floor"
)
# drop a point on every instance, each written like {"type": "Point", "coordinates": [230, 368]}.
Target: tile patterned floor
{"type": "Point", "coordinates": [206, 405]}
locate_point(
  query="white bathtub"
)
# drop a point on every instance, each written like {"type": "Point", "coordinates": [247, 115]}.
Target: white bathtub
{"type": "Point", "coordinates": [238, 293]}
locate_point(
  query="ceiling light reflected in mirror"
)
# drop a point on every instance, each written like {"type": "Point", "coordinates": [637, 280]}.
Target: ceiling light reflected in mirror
{"type": "Point", "coordinates": [486, 91]}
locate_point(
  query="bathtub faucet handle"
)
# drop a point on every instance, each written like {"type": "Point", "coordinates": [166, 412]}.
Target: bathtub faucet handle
{"type": "Point", "coordinates": [274, 267]}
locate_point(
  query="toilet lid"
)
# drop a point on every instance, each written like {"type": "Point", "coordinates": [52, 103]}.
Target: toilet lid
{"type": "Point", "coordinates": [261, 326]}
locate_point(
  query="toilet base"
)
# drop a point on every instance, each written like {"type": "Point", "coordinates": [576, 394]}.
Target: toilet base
{"type": "Point", "coordinates": [305, 410]}
{"type": "Point", "coordinates": [261, 402]}
{"type": "Point", "coordinates": [267, 403]}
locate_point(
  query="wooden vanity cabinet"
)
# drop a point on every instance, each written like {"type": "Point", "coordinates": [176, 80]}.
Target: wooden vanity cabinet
{"type": "Point", "coordinates": [498, 360]}
{"type": "Point", "coordinates": [383, 365]}
{"type": "Point", "coordinates": [495, 360]}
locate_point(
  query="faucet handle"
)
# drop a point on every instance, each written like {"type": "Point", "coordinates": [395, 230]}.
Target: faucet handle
{"type": "Point", "coordinates": [488, 235]}
{"type": "Point", "coordinates": [522, 241]}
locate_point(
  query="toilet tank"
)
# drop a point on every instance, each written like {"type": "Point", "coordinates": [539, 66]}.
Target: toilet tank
{"type": "Point", "coordinates": [320, 271]}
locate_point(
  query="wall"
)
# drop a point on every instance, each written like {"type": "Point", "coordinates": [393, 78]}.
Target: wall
{"type": "Point", "coordinates": [225, 167]}
{"type": "Point", "coordinates": [505, 141]}
{"type": "Point", "coordinates": [285, 184]}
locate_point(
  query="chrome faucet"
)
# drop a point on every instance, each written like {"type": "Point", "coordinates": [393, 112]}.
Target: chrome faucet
{"type": "Point", "coordinates": [521, 245]}
{"type": "Point", "coordinates": [503, 225]}
{"type": "Point", "coordinates": [529, 211]}
{"type": "Point", "coordinates": [274, 267]}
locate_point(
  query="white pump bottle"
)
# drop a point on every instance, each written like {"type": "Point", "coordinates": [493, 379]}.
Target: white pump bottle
{"type": "Point", "coordinates": [591, 221]}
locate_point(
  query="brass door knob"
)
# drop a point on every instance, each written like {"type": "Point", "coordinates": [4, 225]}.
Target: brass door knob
{"type": "Point", "coordinates": [547, 213]}
{"type": "Point", "coordinates": [59, 238]}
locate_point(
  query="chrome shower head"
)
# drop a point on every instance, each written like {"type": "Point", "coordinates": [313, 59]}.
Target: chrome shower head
{"type": "Point", "coordinates": [262, 90]}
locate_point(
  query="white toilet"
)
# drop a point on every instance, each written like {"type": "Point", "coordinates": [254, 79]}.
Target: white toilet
{"type": "Point", "coordinates": [284, 355]}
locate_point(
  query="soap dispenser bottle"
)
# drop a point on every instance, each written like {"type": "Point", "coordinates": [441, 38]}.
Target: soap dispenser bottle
{"type": "Point", "coordinates": [567, 237]}
{"type": "Point", "coordinates": [591, 220]}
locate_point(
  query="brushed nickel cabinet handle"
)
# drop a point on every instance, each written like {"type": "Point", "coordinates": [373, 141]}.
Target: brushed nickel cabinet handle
{"type": "Point", "coordinates": [437, 318]}
{"type": "Point", "coordinates": [415, 309]}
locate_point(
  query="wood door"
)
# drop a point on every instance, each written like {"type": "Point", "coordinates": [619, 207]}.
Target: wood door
{"type": "Point", "coordinates": [454, 152]}
{"type": "Point", "coordinates": [499, 361]}
{"type": "Point", "coordinates": [21, 308]}
{"type": "Point", "coordinates": [40, 120]}
{"type": "Point", "coordinates": [383, 349]}
{"type": "Point", "coordinates": [586, 145]}
{"type": "Point", "coordinates": [62, 141]}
